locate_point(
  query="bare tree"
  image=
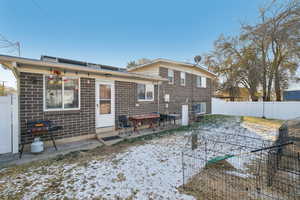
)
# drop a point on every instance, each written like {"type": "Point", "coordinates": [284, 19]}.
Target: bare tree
{"type": "Point", "coordinates": [235, 61]}
{"type": "Point", "coordinates": [277, 39]}
{"type": "Point", "coordinates": [141, 61]}
{"type": "Point", "coordinates": [131, 64]}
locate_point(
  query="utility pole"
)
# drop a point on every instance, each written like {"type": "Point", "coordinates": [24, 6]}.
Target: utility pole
{"type": "Point", "coordinates": [18, 48]}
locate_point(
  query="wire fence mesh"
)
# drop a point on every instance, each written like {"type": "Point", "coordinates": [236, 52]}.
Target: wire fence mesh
{"type": "Point", "coordinates": [227, 166]}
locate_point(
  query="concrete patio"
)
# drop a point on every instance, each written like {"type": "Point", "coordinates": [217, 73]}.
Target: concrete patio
{"type": "Point", "coordinates": [63, 149]}
{"type": "Point", "coordinates": [49, 152]}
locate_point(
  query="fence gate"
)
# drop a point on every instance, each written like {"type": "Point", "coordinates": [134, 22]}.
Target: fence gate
{"type": "Point", "coordinates": [8, 124]}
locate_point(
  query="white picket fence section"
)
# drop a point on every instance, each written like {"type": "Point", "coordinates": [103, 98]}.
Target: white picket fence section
{"type": "Point", "coordinates": [273, 110]}
{"type": "Point", "coordinates": [9, 124]}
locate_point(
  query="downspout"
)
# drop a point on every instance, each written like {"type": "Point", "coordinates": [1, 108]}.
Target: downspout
{"type": "Point", "coordinates": [158, 97]}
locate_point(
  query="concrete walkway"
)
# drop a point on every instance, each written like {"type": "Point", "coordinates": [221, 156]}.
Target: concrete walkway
{"type": "Point", "coordinates": [50, 152]}
{"type": "Point", "coordinates": [13, 159]}
{"type": "Point", "coordinates": [131, 135]}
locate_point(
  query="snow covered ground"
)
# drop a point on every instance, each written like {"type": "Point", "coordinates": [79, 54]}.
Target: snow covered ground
{"type": "Point", "coordinates": [149, 171]}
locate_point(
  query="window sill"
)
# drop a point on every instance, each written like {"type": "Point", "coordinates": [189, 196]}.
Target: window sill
{"type": "Point", "coordinates": [145, 100]}
{"type": "Point", "coordinates": [202, 113]}
{"type": "Point", "coordinates": [58, 112]}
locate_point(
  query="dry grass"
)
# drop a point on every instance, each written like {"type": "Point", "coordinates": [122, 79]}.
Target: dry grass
{"type": "Point", "coordinates": [217, 182]}
{"type": "Point", "coordinates": [272, 123]}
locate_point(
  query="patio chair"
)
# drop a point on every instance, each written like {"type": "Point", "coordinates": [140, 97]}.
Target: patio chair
{"type": "Point", "coordinates": [124, 124]}
{"type": "Point", "coordinates": [163, 119]}
{"type": "Point", "coordinates": [172, 118]}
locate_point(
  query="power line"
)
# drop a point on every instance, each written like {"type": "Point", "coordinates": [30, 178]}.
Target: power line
{"type": "Point", "coordinates": [39, 7]}
{"type": "Point", "coordinates": [9, 46]}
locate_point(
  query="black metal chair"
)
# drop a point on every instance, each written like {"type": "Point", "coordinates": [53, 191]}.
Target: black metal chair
{"type": "Point", "coordinates": [163, 119]}
{"type": "Point", "coordinates": [124, 124]}
{"type": "Point", "coordinates": [172, 118]}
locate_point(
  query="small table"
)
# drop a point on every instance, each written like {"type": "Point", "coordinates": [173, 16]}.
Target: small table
{"type": "Point", "coordinates": [150, 118]}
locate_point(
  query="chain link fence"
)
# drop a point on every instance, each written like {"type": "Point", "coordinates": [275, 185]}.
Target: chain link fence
{"type": "Point", "coordinates": [227, 166]}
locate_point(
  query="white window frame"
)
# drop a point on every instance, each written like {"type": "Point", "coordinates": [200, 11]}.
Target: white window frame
{"type": "Point", "coordinates": [182, 77]}
{"type": "Point", "coordinates": [201, 111]}
{"type": "Point", "coordinates": [171, 74]}
{"type": "Point", "coordinates": [63, 105]}
{"type": "Point", "coordinates": [202, 82]}
{"type": "Point", "coordinates": [146, 89]}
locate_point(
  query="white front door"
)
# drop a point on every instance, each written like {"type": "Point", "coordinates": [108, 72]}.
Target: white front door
{"type": "Point", "coordinates": [105, 103]}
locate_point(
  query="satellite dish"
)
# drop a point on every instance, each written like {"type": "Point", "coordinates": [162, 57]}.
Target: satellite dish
{"type": "Point", "coordinates": [197, 59]}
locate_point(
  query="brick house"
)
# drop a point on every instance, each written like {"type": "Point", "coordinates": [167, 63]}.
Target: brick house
{"type": "Point", "coordinates": [188, 84]}
{"type": "Point", "coordinates": [86, 98]}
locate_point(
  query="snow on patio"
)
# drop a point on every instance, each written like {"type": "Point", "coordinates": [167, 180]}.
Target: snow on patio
{"type": "Point", "coordinates": [148, 171]}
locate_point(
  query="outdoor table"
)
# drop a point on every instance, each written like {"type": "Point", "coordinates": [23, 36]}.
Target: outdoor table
{"type": "Point", "coordinates": [148, 118]}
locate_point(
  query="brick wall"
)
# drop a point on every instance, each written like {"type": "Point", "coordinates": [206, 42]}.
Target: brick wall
{"type": "Point", "coordinates": [126, 100]}
{"type": "Point", "coordinates": [82, 122]}
{"type": "Point", "coordinates": [126, 96]}
{"type": "Point", "coordinates": [189, 94]}
{"type": "Point", "coordinates": [74, 123]}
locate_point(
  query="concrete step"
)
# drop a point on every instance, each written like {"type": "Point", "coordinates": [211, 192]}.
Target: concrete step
{"type": "Point", "coordinates": [109, 134]}
{"type": "Point", "coordinates": [112, 142]}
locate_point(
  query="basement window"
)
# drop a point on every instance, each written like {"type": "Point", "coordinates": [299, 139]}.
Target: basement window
{"type": "Point", "coordinates": [145, 92]}
{"type": "Point", "coordinates": [200, 108]}
{"type": "Point", "coordinates": [61, 93]}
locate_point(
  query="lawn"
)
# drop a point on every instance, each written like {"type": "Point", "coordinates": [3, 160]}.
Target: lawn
{"type": "Point", "coordinates": [144, 168]}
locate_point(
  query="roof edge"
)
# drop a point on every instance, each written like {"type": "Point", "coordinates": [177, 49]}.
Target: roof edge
{"type": "Point", "coordinates": [29, 61]}
{"type": "Point", "coordinates": [171, 61]}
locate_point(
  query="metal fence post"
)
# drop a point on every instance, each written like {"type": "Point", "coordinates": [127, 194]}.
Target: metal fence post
{"type": "Point", "coordinates": [182, 160]}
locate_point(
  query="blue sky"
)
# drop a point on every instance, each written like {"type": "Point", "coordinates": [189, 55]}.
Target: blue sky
{"type": "Point", "coordinates": [115, 32]}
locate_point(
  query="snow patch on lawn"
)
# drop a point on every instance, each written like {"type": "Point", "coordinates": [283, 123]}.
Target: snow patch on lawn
{"type": "Point", "coordinates": [230, 138]}
{"type": "Point", "coordinates": [149, 171]}
{"type": "Point", "coordinates": [152, 170]}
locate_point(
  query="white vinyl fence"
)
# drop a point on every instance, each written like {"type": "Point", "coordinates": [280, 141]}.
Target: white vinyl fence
{"type": "Point", "coordinates": [9, 126]}
{"type": "Point", "coordinates": [273, 110]}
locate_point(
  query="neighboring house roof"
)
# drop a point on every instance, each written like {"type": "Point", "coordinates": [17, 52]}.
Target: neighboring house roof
{"type": "Point", "coordinates": [291, 95]}
{"type": "Point", "coordinates": [76, 66]}
{"type": "Point", "coordinates": [173, 62]}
